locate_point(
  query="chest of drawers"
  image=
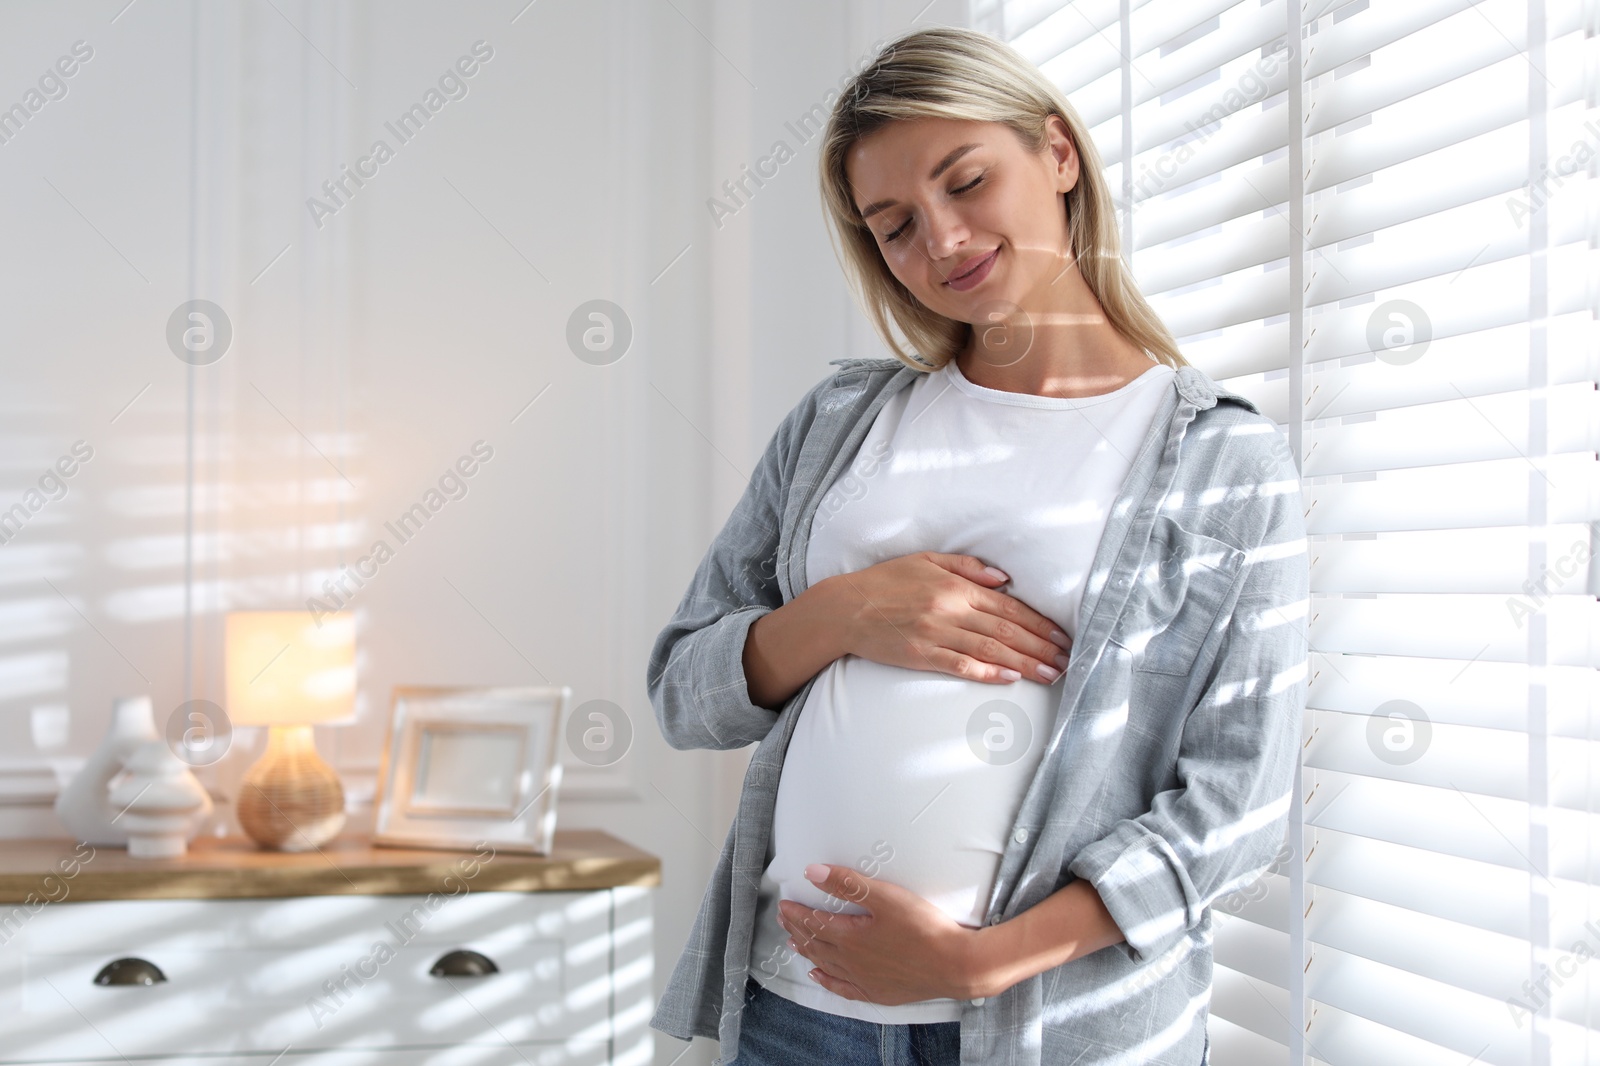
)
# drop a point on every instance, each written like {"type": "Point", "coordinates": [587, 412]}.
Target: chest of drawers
{"type": "Point", "coordinates": [352, 955]}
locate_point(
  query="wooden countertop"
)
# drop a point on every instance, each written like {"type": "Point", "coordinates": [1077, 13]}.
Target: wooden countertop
{"type": "Point", "coordinates": [234, 867]}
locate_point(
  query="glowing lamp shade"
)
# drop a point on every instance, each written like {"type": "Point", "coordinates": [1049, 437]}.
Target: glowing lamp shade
{"type": "Point", "coordinates": [286, 671]}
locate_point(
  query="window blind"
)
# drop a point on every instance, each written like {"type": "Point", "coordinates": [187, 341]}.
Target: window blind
{"type": "Point", "coordinates": [1377, 219]}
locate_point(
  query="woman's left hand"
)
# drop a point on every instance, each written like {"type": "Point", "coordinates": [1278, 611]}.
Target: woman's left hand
{"type": "Point", "coordinates": [903, 950]}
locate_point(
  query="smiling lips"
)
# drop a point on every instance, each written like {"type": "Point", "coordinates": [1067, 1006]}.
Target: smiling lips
{"type": "Point", "coordinates": [972, 272]}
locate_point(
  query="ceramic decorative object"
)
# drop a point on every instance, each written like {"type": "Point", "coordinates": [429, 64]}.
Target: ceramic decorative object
{"type": "Point", "coordinates": [162, 803]}
{"type": "Point", "coordinates": [82, 805]}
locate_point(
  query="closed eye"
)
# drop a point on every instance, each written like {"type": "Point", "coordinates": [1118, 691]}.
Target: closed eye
{"type": "Point", "coordinates": [968, 187]}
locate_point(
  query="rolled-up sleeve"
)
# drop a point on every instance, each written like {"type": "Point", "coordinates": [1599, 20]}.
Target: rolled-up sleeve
{"type": "Point", "coordinates": [696, 678]}
{"type": "Point", "coordinates": [1157, 873]}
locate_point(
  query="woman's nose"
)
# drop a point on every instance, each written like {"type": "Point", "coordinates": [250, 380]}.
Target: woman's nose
{"type": "Point", "coordinates": [945, 232]}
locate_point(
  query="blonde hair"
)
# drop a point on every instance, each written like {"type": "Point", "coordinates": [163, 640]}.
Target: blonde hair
{"type": "Point", "coordinates": [955, 73]}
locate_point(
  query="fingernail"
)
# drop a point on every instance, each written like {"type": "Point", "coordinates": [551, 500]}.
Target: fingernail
{"type": "Point", "coordinates": [1008, 674]}
{"type": "Point", "coordinates": [816, 871]}
{"type": "Point", "coordinates": [1047, 673]}
{"type": "Point", "coordinates": [996, 573]}
{"type": "Point", "coordinates": [1062, 661]}
{"type": "Point", "coordinates": [1060, 638]}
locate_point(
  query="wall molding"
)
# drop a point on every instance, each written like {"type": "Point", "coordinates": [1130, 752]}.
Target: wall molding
{"type": "Point", "coordinates": [28, 793]}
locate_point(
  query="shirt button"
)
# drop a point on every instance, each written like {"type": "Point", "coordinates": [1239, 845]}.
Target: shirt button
{"type": "Point", "coordinates": [1020, 836]}
{"type": "Point", "coordinates": [977, 1002]}
{"type": "Point", "coordinates": [1121, 582]}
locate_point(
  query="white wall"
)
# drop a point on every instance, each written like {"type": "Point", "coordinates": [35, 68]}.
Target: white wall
{"type": "Point", "coordinates": [372, 350]}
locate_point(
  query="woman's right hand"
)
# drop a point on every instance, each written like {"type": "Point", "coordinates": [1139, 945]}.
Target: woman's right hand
{"type": "Point", "coordinates": [939, 611]}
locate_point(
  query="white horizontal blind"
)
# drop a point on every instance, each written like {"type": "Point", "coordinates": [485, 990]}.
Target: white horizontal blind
{"type": "Point", "coordinates": [1377, 219]}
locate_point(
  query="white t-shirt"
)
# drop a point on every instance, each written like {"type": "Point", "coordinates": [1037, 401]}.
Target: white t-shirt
{"type": "Point", "coordinates": [916, 776]}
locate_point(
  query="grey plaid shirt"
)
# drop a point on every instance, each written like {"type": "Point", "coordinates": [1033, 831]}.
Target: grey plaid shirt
{"type": "Point", "coordinates": [1167, 778]}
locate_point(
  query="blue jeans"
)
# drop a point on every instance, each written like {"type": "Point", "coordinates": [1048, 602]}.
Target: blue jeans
{"type": "Point", "coordinates": [775, 1031]}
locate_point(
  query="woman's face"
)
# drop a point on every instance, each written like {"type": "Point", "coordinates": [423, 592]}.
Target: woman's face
{"type": "Point", "coordinates": [948, 198]}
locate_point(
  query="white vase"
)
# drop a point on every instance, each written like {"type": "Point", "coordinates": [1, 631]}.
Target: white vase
{"type": "Point", "coordinates": [161, 802]}
{"type": "Point", "coordinates": [83, 806]}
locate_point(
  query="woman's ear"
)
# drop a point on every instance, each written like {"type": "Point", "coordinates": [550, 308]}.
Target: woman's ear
{"type": "Point", "coordinates": [1066, 153]}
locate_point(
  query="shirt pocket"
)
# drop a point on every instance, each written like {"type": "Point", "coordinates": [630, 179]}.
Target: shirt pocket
{"type": "Point", "coordinates": [1179, 591]}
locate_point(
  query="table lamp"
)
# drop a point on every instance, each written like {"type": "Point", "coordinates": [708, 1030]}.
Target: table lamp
{"type": "Point", "coordinates": [287, 670]}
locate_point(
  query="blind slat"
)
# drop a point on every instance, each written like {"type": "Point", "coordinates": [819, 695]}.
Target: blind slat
{"type": "Point", "coordinates": [1477, 894]}
{"type": "Point", "coordinates": [1455, 626]}
{"type": "Point", "coordinates": [1459, 761]}
{"type": "Point", "coordinates": [1468, 44]}
{"type": "Point", "coordinates": [1446, 1017]}
{"type": "Point", "coordinates": [1468, 364]}
{"type": "Point", "coordinates": [1443, 952]}
{"type": "Point", "coordinates": [1464, 495]}
{"type": "Point", "coordinates": [1235, 86]}
{"type": "Point", "coordinates": [1452, 431]}
{"type": "Point", "coordinates": [1043, 29]}
{"type": "Point", "coordinates": [1493, 559]}
{"type": "Point", "coordinates": [1467, 691]}
{"type": "Point", "coordinates": [1474, 237]}
{"type": "Point", "coordinates": [1235, 1045]}
{"type": "Point", "coordinates": [1432, 120]}
{"type": "Point", "coordinates": [1343, 1039]}
{"type": "Point", "coordinates": [1483, 829]}
{"type": "Point", "coordinates": [1256, 1006]}
{"type": "Point", "coordinates": [1193, 210]}
{"type": "Point", "coordinates": [1480, 298]}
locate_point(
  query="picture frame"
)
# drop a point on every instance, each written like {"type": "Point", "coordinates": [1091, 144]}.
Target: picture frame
{"type": "Point", "coordinates": [467, 764]}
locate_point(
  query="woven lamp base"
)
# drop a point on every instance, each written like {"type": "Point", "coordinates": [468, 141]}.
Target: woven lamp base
{"type": "Point", "coordinates": [291, 800]}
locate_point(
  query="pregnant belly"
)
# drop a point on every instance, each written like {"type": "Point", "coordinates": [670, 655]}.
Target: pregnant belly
{"type": "Point", "coordinates": [912, 776]}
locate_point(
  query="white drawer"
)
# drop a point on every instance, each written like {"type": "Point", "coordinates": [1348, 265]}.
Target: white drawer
{"type": "Point", "coordinates": [259, 975]}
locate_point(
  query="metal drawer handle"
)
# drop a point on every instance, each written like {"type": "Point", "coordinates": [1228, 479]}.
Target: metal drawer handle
{"type": "Point", "coordinates": [463, 963]}
{"type": "Point", "coordinates": [129, 972]}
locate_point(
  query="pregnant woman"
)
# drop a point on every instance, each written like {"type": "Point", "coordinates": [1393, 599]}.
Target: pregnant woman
{"type": "Point", "coordinates": [1016, 619]}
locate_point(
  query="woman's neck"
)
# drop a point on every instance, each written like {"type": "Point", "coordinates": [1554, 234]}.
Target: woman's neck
{"type": "Point", "coordinates": [1062, 344]}
{"type": "Point", "coordinates": [1071, 362]}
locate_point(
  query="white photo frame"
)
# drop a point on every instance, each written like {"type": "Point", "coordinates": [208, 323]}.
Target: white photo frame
{"type": "Point", "coordinates": [463, 765]}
